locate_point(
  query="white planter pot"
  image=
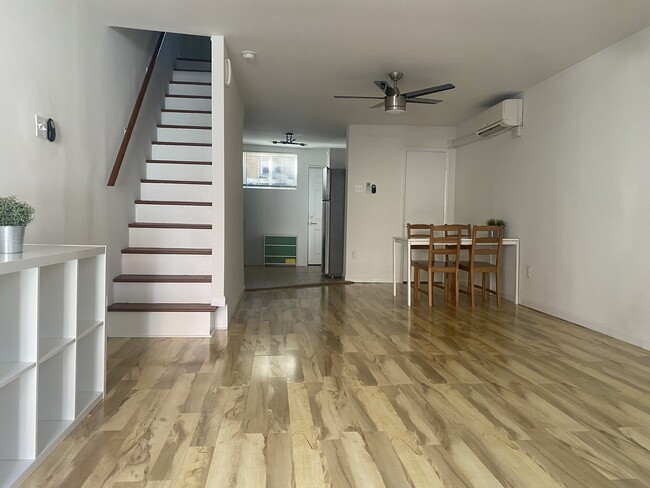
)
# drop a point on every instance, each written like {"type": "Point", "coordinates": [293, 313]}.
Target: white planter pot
{"type": "Point", "coordinates": [11, 239]}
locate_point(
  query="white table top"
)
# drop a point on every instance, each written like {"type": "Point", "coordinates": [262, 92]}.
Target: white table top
{"type": "Point", "coordinates": [465, 241]}
{"type": "Point", "coordinates": [36, 255]}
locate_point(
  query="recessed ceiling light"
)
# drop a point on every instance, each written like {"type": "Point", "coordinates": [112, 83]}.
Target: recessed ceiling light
{"type": "Point", "coordinates": [248, 54]}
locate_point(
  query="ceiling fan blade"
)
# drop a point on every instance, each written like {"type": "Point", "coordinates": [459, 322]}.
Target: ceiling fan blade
{"type": "Point", "coordinates": [354, 96]}
{"type": "Point", "coordinates": [385, 87]}
{"type": "Point", "coordinates": [428, 91]}
{"type": "Point", "coordinates": [429, 101]}
{"type": "Point", "coordinates": [380, 104]}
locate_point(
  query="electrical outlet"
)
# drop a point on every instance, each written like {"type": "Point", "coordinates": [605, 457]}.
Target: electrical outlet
{"type": "Point", "coordinates": [529, 272]}
{"type": "Point", "coordinates": [40, 127]}
{"type": "Point", "coordinates": [354, 254]}
{"type": "Point", "coordinates": [358, 188]}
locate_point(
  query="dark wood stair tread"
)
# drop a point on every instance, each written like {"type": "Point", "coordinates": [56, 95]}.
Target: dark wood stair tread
{"type": "Point", "coordinates": [198, 127]}
{"type": "Point", "coordinates": [199, 83]}
{"type": "Point", "coordinates": [161, 307]}
{"type": "Point", "coordinates": [201, 97]}
{"type": "Point", "coordinates": [173, 202]}
{"type": "Point", "coordinates": [193, 70]}
{"type": "Point", "coordinates": [168, 143]}
{"type": "Point", "coordinates": [176, 182]}
{"type": "Point", "coordinates": [167, 250]}
{"type": "Point", "coordinates": [171, 225]}
{"type": "Point", "coordinates": [195, 59]}
{"type": "Point", "coordinates": [174, 161]}
{"type": "Point", "coordinates": [139, 278]}
{"type": "Point", "coordinates": [179, 111]}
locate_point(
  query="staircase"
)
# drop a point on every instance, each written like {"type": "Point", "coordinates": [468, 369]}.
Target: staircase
{"type": "Point", "coordinates": [165, 285]}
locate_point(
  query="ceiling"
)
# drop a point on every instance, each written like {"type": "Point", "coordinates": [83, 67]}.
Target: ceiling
{"type": "Point", "coordinates": [310, 50]}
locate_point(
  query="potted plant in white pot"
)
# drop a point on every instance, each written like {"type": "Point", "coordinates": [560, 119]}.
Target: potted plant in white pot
{"type": "Point", "coordinates": [14, 216]}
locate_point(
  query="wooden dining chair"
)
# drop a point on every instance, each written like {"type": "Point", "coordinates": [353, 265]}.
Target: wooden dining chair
{"type": "Point", "coordinates": [486, 243]}
{"type": "Point", "coordinates": [443, 242]}
{"type": "Point", "coordinates": [415, 231]}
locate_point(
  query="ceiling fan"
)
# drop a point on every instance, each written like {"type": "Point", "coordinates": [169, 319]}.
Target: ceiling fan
{"type": "Point", "coordinates": [395, 101]}
{"type": "Point", "coordinates": [290, 140]}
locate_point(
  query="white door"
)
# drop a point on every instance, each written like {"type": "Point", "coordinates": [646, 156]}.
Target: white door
{"type": "Point", "coordinates": [425, 194]}
{"type": "Point", "coordinates": [315, 250]}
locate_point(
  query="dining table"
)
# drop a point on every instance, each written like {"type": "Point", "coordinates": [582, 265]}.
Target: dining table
{"type": "Point", "coordinates": [408, 243]}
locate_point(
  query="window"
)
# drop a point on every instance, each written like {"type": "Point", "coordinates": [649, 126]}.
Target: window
{"type": "Point", "coordinates": [270, 170]}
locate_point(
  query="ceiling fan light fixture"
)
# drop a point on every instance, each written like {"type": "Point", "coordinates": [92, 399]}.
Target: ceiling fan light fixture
{"type": "Point", "coordinates": [290, 140]}
{"type": "Point", "coordinates": [395, 104]}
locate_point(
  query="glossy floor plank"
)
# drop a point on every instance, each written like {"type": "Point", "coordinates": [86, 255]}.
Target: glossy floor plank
{"type": "Point", "coordinates": [344, 386]}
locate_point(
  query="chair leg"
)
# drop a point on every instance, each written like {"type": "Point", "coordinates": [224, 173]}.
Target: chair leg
{"type": "Point", "coordinates": [456, 287]}
{"type": "Point", "coordinates": [430, 286]}
{"type": "Point", "coordinates": [484, 289]}
{"type": "Point", "coordinates": [497, 279]}
{"type": "Point", "coordinates": [446, 286]}
{"type": "Point", "coordinates": [416, 284]}
{"type": "Point", "coordinates": [470, 287]}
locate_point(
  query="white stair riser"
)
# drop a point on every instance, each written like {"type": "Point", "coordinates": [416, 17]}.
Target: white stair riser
{"type": "Point", "coordinates": [176, 192]}
{"type": "Point", "coordinates": [181, 89]}
{"type": "Point", "coordinates": [192, 64]}
{"type": "Point", "coordinates": [166, 134]}
{"type": "Point", "coordinates": [202, 76]}
{"type": "Point", "coordinates": [160, 324]}
{"type": "Point", "coordinates": [179, 172]}
{"type": "Point", "coordinates": [180, 214]}
{"type": "Point", "coordinates": [162, 292]}
{"type": "Point", "coordinates": [182, 238]}
{"type": "Point", "coordinates": [188, 103]}
{"type": "Point", "coordinates": [173, 264]}
{"type": "Point", "coordinates": [180, 118]}
{"type": "Point", "coordinates": [181, 153]}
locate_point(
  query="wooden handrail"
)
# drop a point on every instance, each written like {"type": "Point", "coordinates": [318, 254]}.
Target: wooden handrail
{"type": "Point", "coordinates": [128, 132]}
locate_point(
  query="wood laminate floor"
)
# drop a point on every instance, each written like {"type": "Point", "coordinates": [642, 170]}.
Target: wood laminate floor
{"type": "Point", "coordinates": [259, 278]}
{"type": "Point", "coordinates": [344, 386]}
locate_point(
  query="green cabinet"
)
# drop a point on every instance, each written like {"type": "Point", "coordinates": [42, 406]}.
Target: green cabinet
{"type": "Point", "coordinates": [280, 250]}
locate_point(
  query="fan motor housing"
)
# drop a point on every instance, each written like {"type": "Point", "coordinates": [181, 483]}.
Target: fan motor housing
{"type": "Point", "coordinates": [395, 103]}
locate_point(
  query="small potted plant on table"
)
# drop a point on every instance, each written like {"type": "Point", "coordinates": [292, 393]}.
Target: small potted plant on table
{"type": "Point", "coordinates": [497, 222]}
{"type": "Point", "coordinates": [14, 216]}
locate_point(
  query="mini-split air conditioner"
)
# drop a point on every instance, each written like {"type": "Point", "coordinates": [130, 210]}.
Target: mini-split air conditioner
{"type": "Point", "coordinates": [503, 116]}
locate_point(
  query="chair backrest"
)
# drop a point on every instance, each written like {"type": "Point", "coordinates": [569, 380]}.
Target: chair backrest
{"type": "Point", "coordinates": [489, 239]}
{"type": "Point", "coordinates": [445, 241]}
{"type": "Point", "coordinates": [465, 229]}
{"type": "Point", "coordinates": [418, 230]}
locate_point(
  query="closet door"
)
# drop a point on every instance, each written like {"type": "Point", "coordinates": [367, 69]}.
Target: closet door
{"type": "Point", "coordinates": [425, 195]}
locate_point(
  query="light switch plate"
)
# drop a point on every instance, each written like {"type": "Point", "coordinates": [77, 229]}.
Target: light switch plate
{"type": "Point", "coordinates": [40, 127]}
{"type": "Point", "coordinates": [358, 188]}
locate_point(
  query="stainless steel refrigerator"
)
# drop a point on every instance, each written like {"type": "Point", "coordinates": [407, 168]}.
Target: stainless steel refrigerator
{"type": "Point", "coordinates": [333, 222]}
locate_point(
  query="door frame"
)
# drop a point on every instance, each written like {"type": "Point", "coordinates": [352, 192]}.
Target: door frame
{"type": "Point", "coordinates": [446, 192]}
{"type": "Point", "coordinates": [321, 169]}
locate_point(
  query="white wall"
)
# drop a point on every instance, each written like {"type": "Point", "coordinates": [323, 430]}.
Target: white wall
{"type": "Point", "coordinates": [574, 188]}
{"type": "Point", "coordinates": [279, 211]}
{"type": "Point", "coordinates": [338, 158]}
{"type": "Point", "coordinates": [234, 197]}
{"type": "Point", "coordinates": [377, 154]}
{"type": "Point", "coordinates": [64, 63]}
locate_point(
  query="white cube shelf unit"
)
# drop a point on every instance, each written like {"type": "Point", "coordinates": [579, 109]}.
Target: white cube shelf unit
{"type": "Point", "coordinates": [52, 350]}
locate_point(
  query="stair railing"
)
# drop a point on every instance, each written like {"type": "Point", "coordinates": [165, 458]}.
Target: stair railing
{"type": "Point", "coordinates": [128, 131]}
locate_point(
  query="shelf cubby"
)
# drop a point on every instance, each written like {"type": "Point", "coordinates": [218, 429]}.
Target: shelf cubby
{"type": "Point", "coordinates": [55, 397]}
{"type": "Point", "coordinates": [19, 306]}
{"type": "Point", "coordinates": [17, 426]}
{"type": "Point", "coordinates": [90, 294]}
{"type": "Point", "coordinates": [90, 369]}
{"type": "Point", "coordinates": [57, 301]}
